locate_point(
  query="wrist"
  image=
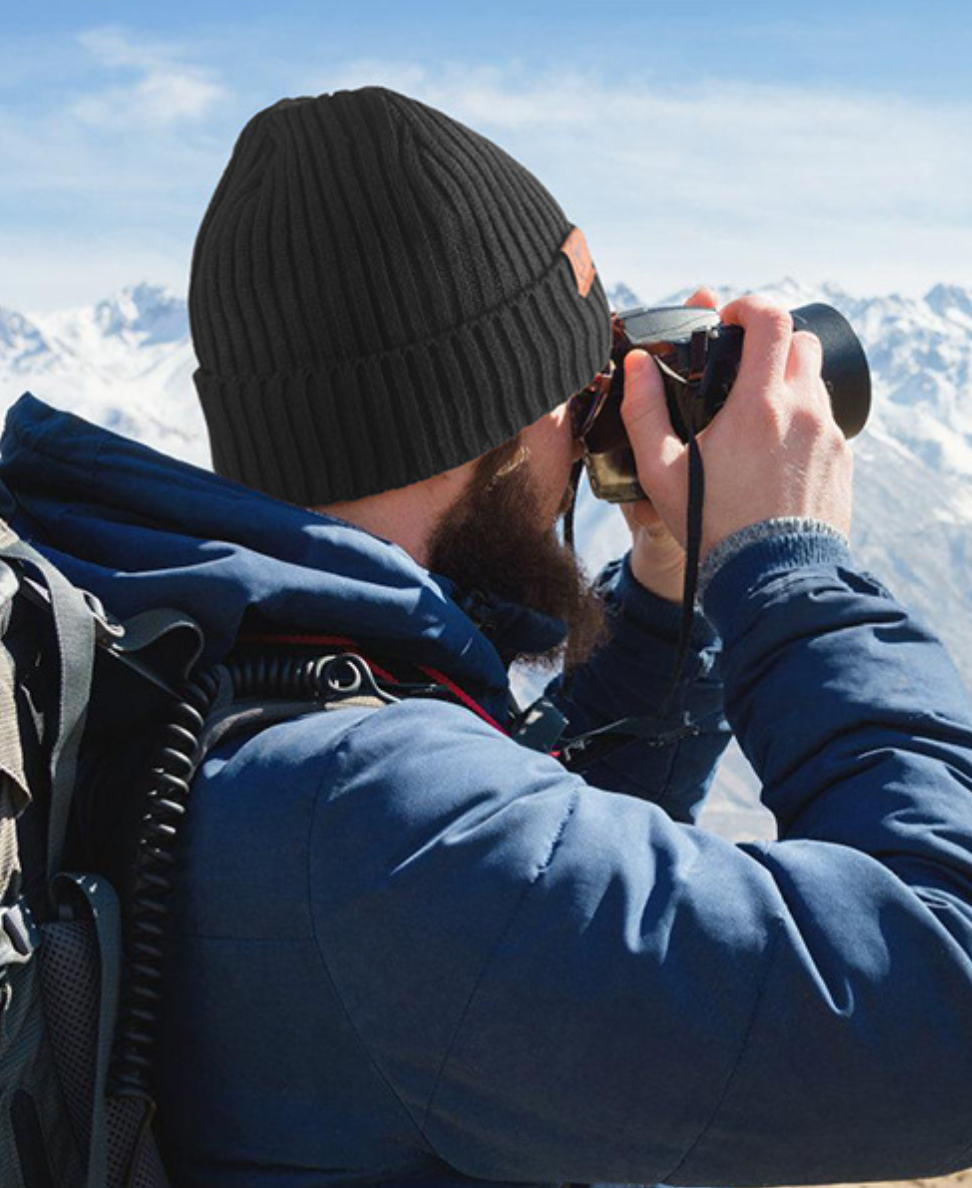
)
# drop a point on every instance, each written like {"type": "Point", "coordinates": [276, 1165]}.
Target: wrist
{"type": "Point", "coordinates": [660, 571]}
{"type": "Point", "coordinates": [765, 530]}
{"type": "Point", "coordinates": [729, 593]}
{"type": "Point", "coordinates": [661, 618]}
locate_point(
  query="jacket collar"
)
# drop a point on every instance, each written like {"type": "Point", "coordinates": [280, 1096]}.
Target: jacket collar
{"type": "Point", "coordinates": [139, 529]}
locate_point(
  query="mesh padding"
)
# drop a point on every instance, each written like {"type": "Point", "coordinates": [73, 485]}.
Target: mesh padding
{"type": "Point", "coordinates": [131, 1146]}
{"type": "Point", "coordinates": [149, 1172]}
{"type": "Point", "coordinates": [28, 1066]}
{"type": "Point", "coordinates": [57, 1066]}
{"type": "Point", "coordinates": [123, 1123]}
{"type": "Point", "coordinates": [71, 983]}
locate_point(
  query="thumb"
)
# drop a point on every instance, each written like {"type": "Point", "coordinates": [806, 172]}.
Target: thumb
{"type": "Point", "coordinates": [658, 450]}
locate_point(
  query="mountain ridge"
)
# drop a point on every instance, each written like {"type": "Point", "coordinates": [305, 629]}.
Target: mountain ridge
{"type": "Point", "coordinates": [126, 363]}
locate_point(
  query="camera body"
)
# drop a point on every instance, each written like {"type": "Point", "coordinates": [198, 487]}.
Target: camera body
{"type": "Point", "coordinates": [698, 357]}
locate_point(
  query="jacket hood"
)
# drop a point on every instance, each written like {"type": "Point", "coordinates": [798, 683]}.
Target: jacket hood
{"type": "Point", "coordinates": [140, 530]}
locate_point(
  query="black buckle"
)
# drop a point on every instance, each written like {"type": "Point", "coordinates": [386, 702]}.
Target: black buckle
{"type": "Point", "coordinates": [540, 727]}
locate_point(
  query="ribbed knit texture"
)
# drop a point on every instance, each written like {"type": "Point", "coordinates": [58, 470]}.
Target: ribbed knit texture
{"type": "Point", "coordinates": [378, 294]}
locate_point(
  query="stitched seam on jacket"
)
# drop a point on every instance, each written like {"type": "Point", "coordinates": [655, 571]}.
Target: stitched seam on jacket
{"type": "Point", "coordinates": [329, 782]}
{"type": "Point", "coordinates": [667, 1178]}
{"type": "Point", "coordinates": [541, 868]}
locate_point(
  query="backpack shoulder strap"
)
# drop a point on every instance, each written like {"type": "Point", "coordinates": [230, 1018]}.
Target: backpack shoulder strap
{"type": "Point", "coordinates": [74, 628]}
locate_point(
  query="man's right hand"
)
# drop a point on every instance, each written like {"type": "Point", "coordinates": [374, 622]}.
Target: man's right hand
{"type": "Point", "coordinates": [773, 450]}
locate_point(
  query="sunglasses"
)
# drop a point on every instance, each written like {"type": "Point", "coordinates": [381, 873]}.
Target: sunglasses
{"type": "Point", "coordinates": [585, 406]}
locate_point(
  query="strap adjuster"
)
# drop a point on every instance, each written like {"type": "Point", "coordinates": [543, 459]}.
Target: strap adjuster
{"type": "Point", "coordinates": [19, 935]}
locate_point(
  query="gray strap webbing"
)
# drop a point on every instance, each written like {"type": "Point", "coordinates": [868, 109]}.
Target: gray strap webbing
{"type": "Point", "coordinates": [11, 752]}
{"type": "Point", "coordinates": [74, 626]}
{"type": "Point", "coordinates": [102, 905]}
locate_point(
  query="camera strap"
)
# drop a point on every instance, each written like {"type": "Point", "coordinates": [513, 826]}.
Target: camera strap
{"type": "Point", "coordinates": [576, 472]}
{"type": "Point", "coordinates": [693, 548]}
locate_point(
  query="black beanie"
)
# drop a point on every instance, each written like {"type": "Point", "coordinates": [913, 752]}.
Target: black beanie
{"type": "Point", "coordinates": [379, 294]}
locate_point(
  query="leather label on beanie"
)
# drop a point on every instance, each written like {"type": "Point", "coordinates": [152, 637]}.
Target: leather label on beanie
{"type": "Point", "coordinates": [574, 248]}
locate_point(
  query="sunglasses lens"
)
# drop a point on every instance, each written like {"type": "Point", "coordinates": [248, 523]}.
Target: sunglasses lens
{"type": "Point", "coordinates": [584, 408]}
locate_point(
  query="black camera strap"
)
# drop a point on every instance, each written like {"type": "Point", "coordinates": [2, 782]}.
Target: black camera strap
{"type": "Point", "coordinates": [577, 471]}
{"type": "Point", "coordinates": [693, 548]}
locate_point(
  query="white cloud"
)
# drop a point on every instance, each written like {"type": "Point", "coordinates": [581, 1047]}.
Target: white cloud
{"type": "Point", "coordinates": [760, 143]}
{"type": "Point", "coordinates": [726, 180]}
{"type": "Point", "coordinates": [721, 182]}
{"type": "Point", "coordinates": [161, 97]}
{"type": "Point", "coordinates": [111, 45]}
{"type": "Point", "coordinates": [164, 90]}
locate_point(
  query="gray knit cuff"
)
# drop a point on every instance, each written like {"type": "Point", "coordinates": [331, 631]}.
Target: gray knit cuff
{"type": "Point", "coordinates": [726, 549]}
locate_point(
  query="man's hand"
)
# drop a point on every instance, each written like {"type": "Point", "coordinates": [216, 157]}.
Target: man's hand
{"type": "Point", "coordinates": [657, 558]}
{"type": "Point", "coordinates": [773, 450]}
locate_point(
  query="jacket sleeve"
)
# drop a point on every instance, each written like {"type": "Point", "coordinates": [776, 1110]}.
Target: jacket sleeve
{"type": "Point", "coordinates": [561, 984]}
{"type": "Point", "coordinates": [632, 676]}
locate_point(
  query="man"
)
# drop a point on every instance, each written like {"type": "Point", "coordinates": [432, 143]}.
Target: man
{"type": "Point", "coordinates": [405, 947]}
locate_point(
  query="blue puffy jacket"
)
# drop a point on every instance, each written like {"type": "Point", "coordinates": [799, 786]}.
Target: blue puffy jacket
{"type": "Point", "coordinates": [406, 950]}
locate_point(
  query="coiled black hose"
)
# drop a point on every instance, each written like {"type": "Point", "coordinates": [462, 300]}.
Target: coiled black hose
{"type": "Point", "coordinates": [277, 675]}
{"type": "Point", "coordinates": [172, 771]}
{"type": "Point", "coordinates": [255, 676]}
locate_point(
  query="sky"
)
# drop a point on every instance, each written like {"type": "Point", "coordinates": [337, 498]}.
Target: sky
{"type": "Point", "coordinates": [693, 142]}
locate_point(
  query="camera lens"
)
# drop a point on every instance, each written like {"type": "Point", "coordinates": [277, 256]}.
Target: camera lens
{"type": "Point", "coordinates": [845, 370]}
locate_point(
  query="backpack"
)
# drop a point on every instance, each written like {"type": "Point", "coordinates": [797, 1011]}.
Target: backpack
{"type": "Point", "coordinates": [61, 1124]}
{"type": "Point", "coordinates": [80, 992]}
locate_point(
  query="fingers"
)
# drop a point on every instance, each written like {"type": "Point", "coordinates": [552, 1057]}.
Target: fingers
{"type": "Point", "coordinates": [805, 358]}
{"type": "Point", "coordinates": [642, 514]}
{"type": "Point", "coordinates": [657, 559]}
{"type": "Point", "coordinates": [766, 347]}
{"type": "Point", "coordinates": [645, 414]}
{"type": "Point", "coordinates": [659, 453]}
{"type": "Point", "coordinates": [803, 376]}
{"type": "Point", "coordinates": [704, 298]}
{"type": "Point", "coordinates": [772, 450]}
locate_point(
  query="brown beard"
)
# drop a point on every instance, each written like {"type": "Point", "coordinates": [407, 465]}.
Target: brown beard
{"type": "Point", "coordinates": [495, 539]}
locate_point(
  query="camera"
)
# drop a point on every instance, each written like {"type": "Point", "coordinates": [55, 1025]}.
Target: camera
{"type": "Point", "coordinates": [698, 357]}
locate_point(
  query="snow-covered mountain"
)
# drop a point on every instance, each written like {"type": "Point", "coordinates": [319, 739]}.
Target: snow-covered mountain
{"type": "Point", "coordinates": [127, 363]}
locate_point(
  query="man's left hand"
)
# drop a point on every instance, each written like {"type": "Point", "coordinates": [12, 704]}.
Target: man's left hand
{"type": "Point", "coordinates": [657, 559]}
